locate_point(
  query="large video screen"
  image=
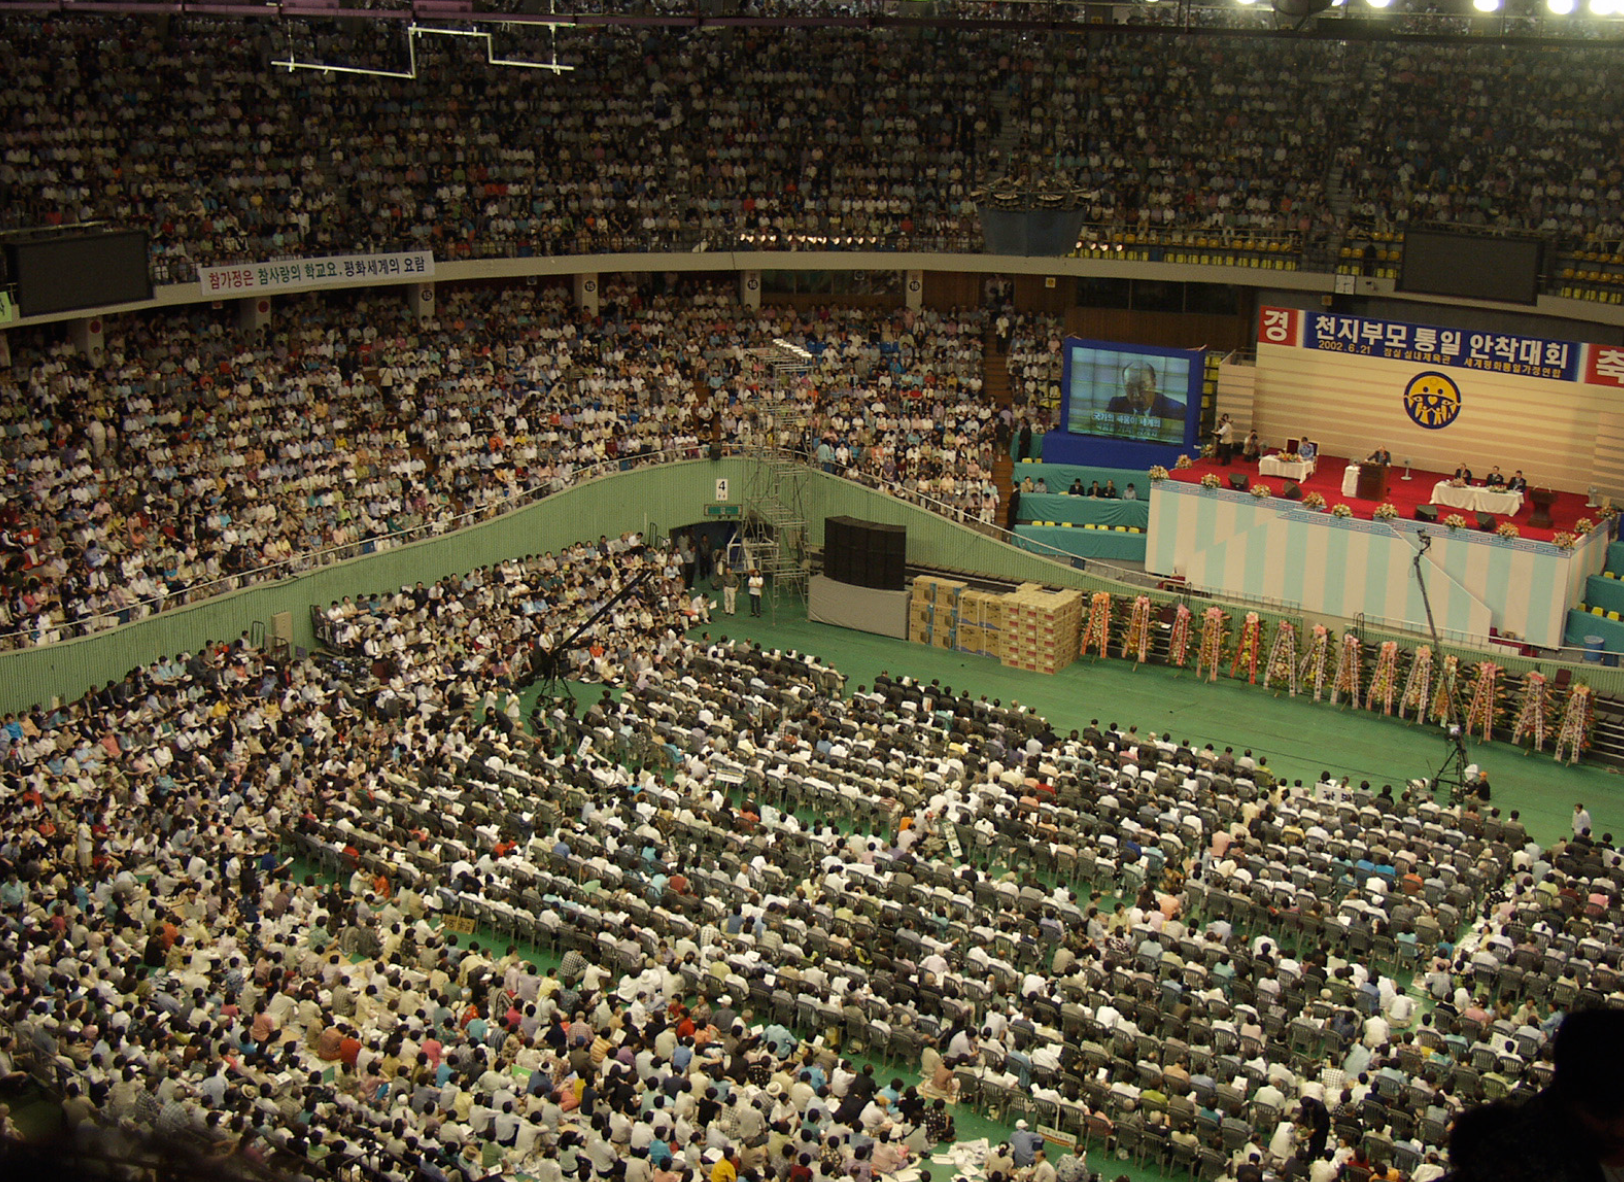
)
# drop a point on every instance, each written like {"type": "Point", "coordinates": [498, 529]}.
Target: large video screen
{"type": "Point", "coordinates": [68, 271]}
{"type": "Point", "coordinates": [1472, 266]}
{"type": "Point", "coordinates": [1131, 391]}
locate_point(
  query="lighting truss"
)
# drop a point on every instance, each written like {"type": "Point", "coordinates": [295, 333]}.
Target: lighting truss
{"type": "Point", "coordinates": [413, 32]}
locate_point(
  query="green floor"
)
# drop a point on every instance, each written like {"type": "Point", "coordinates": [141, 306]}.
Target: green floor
{"type": "Point", "coordinates": [1299, 737]}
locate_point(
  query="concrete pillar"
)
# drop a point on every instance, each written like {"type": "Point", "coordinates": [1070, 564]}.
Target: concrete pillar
{"type": "Point", "coordinates": [586, 293]}
{"type": "Point", "coordinates": [914, 286]}
{"type": "Point", "coordinates": [254, 313]}
{"type": "Point", "coordinates": [750, 288]}
{"type": "Point", "coordinates": [89, 339]}
{"type": "Point", "coordinates": [420, 300]}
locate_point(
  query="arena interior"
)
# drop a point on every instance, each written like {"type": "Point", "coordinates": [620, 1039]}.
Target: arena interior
{"type": "Point", "coordinates": [426, 754]}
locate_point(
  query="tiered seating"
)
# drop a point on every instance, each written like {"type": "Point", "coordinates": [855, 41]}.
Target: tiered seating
{"type": "Point", "coordinates": [1601, 613]}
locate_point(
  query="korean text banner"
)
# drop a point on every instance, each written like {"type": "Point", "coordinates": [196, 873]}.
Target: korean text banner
{"type": "Point", "coordinates": [291, 274]}
{"type": "Point", "coordinates": [1533, 357]}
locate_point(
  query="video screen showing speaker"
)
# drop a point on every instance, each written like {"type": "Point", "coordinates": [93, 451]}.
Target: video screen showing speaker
{"type": "Point", "coordinates": [1131, 391]}
{"type": "Point", "coordinates": [865, 553]}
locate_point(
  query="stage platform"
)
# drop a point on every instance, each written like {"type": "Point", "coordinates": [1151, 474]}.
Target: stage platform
{"type": "Point", "coordinates": [1404, 494]}
{"type": "Point", "coordinates": [1236, 544]}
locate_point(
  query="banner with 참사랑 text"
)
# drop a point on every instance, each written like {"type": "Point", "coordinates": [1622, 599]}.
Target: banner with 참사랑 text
{"type": "Point", "coordinates": [239, 279]}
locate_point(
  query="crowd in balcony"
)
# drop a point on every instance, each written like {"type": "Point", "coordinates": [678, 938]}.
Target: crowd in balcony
{"type": "Point", "coordinates": [198, 458]}
{"type": "Point", "coordinates": [809, 139]}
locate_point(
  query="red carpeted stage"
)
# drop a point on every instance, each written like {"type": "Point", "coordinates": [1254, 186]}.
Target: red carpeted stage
{"type": "Point", "coordinates": [1404, 494]}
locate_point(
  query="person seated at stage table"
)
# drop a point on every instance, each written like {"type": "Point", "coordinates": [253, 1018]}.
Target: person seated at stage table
{"type": "Point", "coordinates": [1517, 483]}
{"type": "Point", "coordinates": [1109, 492]}
{"type": "Point", "coordinates": [1130, 493]}
{"type": "Point", "coordinates": [1076, 489]}
{"type": "Point", "coordinates": [1028, 486]}
{"type": "Point", "coordinates": [1042, 485]}
{"type": "Point", "coordinates": [1494, 479]}
{"type": "Point", "coordinates": [1095, 490]}
{"type": "Point", "coordinates": [1380, 456]}
{"type": "Point", "coordinates": [1307, 451]}
{"type": "Point", "coordinates": [1463, 473]}
{"type": "Point", "coordinates": [1252, 449]}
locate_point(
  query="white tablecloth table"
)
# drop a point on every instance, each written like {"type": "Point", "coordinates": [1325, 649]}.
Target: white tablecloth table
{"type": "Point", "coordinates": [1478, 500]}
{"type": "Point", "coordinates": [1350, 480]}
{"type": "Point", "coordinates": [1275, 466]}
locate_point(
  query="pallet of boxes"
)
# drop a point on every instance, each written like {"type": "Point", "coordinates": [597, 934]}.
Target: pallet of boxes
{"type": "Point", "coordinates": [933, 612]}
{"type": "Point", "coordinates": [981, 616]}
{"type": "Point", "coordinates": [1042, 628]}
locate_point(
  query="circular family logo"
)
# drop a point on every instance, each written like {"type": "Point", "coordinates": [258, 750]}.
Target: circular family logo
{"type": "Point", "coordinates": [1432, 400]}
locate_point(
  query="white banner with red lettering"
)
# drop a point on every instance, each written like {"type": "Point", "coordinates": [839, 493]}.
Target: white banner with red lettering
{"type": "Point", "coordinates": [238, 279]}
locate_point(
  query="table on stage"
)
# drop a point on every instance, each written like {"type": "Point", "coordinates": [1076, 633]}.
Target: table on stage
{"type": "Point", "coordinates": [1276, 465]}
{"type": "Point", "coordinates": [1481, 500]}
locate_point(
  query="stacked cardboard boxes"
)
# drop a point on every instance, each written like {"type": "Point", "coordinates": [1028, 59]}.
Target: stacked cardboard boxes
{"type": "Point", "coordinates": [1042, 628]}
{"type": "Point", "coordinates": [933, 611]}
{"type": "Point", "coordinates": [981, 623]}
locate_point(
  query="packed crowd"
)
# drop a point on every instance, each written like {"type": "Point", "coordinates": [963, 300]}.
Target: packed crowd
{"type": "Point", "coordinates": [789, 138]}
{"type": "Point", "coordinates": [197, 458]}
{"type": "Point", "coordinates": [1163, 946]}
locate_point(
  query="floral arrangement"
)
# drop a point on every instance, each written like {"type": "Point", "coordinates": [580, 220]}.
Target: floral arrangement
{"type": "Point", "coordinates": [1532, 714]}
{"type": "Point", "coordinates": [1209, 451]}
{"type": "Point", "coordinates": [1384, 681]}
{"type": "Point", "coordinates": [1564, 541]}
{"type": "Point", "coordinates": [1573, 735]}
{"type": "Point", "coordinates": [1212, 643]}
{"type": "Point", "coordinates": [1260, 491]}
{"type": "Point", "coordinates": [1583, 526]}
{"type": "Point", "coordinates": [1457, 482]}
{"type": "Point", "coordinates": [1443, 694]}
{"type": "Point", "coordinates": [1386, 511]}
{"type": "Point", "coordinates": [1418, 685]}
{"type": "Point", "coordinates": [1281, 671]}
{"type": "Point", "coordinates": [1097, 632]}
{"type": "Point", "coordinates": [1157, 473]}
{"type": "Point", "coordinates": [1455, 521]}
{"type": "Point", "coordinates": [1210, 480]}
{"type": "Point", "coordinates": [1136, 640]}
{"type": "Point", "coordinates": [1485, 700]}
{"type": "Point", "coordinates": [1348, 660]}
{"type": "Point", "coordinates": [1246, 652]}
{"type": "Point", "coordinates": [1608, 511]}
{"type": "Point", "coordinates": [1292, 457]}
{"type": "Point", "coordinates": [1183, 462]}
{"type": "Point", "coordinates": [1312, 669]}
{"type": "Point", "coordinates": [1507, 530]}
{"type": "Point", "coordinates": [1314, 500]}
{"type": "Point", "coordinates": [1342, 511]}
{"type": "Point", "coordinates": [1178, 643]}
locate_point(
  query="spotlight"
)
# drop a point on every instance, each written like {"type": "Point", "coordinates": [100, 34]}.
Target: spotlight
{"type": "Point", "coordinates": [1603, 7]}
{"type": "Point", "coordinates": [1559, 7]}
{"type": "Point", "coordinates": [1246, 3]}
{"type": "Point", "coordinates": [1486, 5]}
{"type": "Point", "coordinates": [1378, 3]}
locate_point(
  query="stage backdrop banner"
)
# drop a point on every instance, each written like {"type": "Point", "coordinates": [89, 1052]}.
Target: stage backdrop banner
{"type": "Point", "coordinates": [1235, 544]}
{"type": "Point", "coordinates": [293, 274]}
{"type": "Point", "coordinates": [1436, 397]}
{"type": "Point", "coordinates": [884, 613]}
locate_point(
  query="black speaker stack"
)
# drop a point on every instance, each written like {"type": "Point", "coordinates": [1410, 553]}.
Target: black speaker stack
{"type": "Point", "coordinates": [865, 553]}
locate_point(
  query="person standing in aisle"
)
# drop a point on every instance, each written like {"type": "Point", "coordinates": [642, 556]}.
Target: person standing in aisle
{"type": "Point", "coordinates": [756, 584]}
{"type": "Point", "coordinates": [730, 588]}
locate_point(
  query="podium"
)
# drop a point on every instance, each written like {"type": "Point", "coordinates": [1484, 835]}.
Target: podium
{"type": "Point", "coordinates": [1372, 485]}
{"type": "Point", "coordinates": [1542, 499]}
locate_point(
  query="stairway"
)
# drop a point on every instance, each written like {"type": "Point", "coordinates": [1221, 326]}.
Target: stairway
{"type": "Point", "coordinates": [995, 386]}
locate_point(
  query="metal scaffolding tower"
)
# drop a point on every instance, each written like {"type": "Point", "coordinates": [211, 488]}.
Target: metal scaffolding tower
{"type": "Point", "coordinates": [774, 537]}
